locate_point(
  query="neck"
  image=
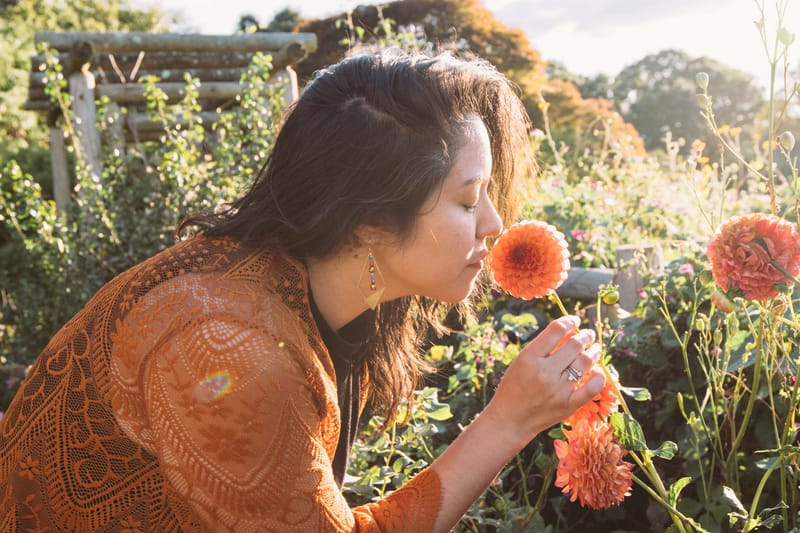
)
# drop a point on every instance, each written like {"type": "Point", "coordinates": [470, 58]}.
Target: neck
{"type": "Point", "coordinates": [333, 282]}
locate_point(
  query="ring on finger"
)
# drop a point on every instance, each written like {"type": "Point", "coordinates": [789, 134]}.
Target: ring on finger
{"type": "Point", "coordinates": [573, 374]}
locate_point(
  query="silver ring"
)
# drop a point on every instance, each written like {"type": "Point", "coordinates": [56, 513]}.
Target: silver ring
{"type": "Point", "coordinates": [573, 374]}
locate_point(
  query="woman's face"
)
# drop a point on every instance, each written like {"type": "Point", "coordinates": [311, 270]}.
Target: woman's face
{"type": "Point", "coordinates": [445, 250]}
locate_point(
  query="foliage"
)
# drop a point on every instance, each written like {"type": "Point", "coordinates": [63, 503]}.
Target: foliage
{"type": "Point", "coordinates": [656, 95]}
{"type": "Point", "coordinates": [24, 133]}
{"type": "Point", "coordinates": [283, 21]}
{"type": "Point", "coordinates": [53, 262]}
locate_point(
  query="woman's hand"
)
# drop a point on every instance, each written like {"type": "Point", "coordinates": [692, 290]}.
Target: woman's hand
{"type": "Point", "coordinates": [536, 391]}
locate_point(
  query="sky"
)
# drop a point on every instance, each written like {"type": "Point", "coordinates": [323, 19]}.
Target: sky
{"type": "Point", "coordinates": [588, 36]}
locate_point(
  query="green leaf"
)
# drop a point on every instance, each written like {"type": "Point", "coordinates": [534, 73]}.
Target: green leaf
{"type": "Point", "coordinates": [772, 516]}
{"type": "Point", "coordinates": [466, 373]}
{"type": "Point", "coordinates": [766, 463]}
{"type": "Point", "coordinates": [628, 432]}
{"type": "Point", "coordinates": [440, 412]}
{"type": "Point", "coordinates": [640, 394]}
{"type": "Point", "coordinates": [676, 488]}
{"type": "Point", "coordinates": [667, 450]}
{"type": "Point", "coordinates": [730, 497]}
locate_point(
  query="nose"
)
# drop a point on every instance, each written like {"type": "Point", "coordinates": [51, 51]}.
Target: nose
{"type": "Point", "coordinates": [491, 225]}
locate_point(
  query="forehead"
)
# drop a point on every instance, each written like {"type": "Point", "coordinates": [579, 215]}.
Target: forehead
{"type": "Point", "coordinates": [472, 151]}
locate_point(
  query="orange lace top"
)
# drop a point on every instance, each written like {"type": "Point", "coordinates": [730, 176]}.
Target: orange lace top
{"type": "Point", "coordinates": [192, 393]}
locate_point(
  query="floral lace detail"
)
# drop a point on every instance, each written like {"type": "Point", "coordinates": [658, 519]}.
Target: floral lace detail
{"type": "Point", "coordinates": [191, 393]}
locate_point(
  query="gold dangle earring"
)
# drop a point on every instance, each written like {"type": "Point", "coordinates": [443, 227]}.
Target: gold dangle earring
{"type": "Point", "coordinates": [371, 268]}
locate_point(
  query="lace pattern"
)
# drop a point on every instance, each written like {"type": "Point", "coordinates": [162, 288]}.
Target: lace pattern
{"type": "Point", "coordinates": [192, 393]}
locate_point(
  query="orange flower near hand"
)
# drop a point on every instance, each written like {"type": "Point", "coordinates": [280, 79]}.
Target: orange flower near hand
{"type": "Point", "coordinates": [530, 259]}
{"type": "Point", "coordinates": [590, 467]}
{"type": "Point", "coordinates": [599, 408]}
{"type": "Point", "coordinates": [752, 255]}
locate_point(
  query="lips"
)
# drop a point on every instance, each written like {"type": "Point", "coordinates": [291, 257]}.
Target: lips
{"type": "Point", "coordinates": [479, 259]}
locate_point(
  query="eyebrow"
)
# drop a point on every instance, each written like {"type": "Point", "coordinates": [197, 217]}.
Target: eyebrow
{"type": "Point", "coordinates": [472, 180]}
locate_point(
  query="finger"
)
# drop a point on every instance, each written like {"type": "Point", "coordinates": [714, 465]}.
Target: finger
{"type": "Point", "coordinates": [577, 343]}
{"type": "Point", "coordinates": [588, 390]}
{"type": "Point", "coordinates": [555, 333]}
{"type": "Point", "coordinates": [585, 359]}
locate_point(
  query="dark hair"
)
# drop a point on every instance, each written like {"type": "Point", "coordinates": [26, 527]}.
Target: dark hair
{"type": "Point", "coordinates": [367, 142]}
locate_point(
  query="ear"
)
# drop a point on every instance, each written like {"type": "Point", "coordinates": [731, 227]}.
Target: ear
{"type": "Point", "coordinates": [368, 235]}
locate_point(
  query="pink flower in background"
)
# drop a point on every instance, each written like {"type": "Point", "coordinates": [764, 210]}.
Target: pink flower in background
{"type": "Point", "coordinates": [579, 235]}
{"type": "Point", "coordinates": [754, 255]}
{"type": "Point", "coordinates": [686, 268]}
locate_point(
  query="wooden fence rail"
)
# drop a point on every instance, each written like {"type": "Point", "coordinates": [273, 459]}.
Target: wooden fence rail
{"type": "Point", "coordinates": [112, 65]}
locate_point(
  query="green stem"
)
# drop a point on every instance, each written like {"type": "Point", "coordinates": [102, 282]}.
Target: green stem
{"type": "Point", "coordinates": [560, 305]}
{"type": "Point", "coordinates": [760, 489]}
{"type": "Point", "coordinates": [548, 479]}
{"type": "Point", "coordinates": [751, 400]}
{"type": "Point", "coordinates": [678, 518]}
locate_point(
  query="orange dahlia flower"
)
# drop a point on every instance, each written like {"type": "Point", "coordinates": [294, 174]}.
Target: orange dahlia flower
{"type": "Point", "coordinates": [590, 467]}
{"type": "Point", "coordinates": [754, 254]}
{"type": "Point", "coordinates": [600, 407]}
{"type": "Point", "coordinates": [530, 259]}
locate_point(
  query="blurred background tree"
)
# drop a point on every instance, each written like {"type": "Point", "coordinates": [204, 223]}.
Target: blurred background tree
{"type": "Point", "coordinates": [657, 95]}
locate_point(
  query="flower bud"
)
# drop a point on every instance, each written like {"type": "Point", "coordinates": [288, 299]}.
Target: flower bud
{"type": "Point", "coordinates": [785, 37]}
{"type": "Point", "coordinates": [611, 297]}
{"type": "Point", "coordinates": [701, 78]}
{"type": "Point", "coordinates": [722, 302]}
{"type": "Point", "coordinates": [787, 140]}
{"type": "Point", "coordinates": [705, 276]}
{"type": "Point", "coordinates": [702, 323]}
{"type": "Point", "coordinates": [703, 100]}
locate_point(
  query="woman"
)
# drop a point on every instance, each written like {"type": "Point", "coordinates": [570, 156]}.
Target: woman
{"type": "Point", "coordinates": [217, 386]}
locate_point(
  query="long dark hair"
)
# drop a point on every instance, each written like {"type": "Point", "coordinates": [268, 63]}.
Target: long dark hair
{"type": "Point", "coordinates": [367, 142]}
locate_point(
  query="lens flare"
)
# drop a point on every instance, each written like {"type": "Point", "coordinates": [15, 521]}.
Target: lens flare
{"type": "Point", "coordinates": [213, 386]}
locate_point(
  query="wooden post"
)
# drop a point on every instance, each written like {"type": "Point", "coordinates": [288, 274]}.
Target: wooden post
{"type": "Point", "coordinates": [58, 165]}
{"type": "Point", "coordinates": [635, 263]}
{"type": "Point", "coordinates": [81, 91]}
{"type": "Point", "coordinates": [288, 77]}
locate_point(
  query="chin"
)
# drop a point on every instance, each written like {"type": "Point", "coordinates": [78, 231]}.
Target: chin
{"type": "Point", "coordinates": [456, 297]}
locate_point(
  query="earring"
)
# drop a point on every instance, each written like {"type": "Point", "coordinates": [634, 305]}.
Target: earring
{"type": "Point", "coordinates": [371, 269]}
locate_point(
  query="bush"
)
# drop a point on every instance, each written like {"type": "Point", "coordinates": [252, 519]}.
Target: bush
{"type": "Point", "coordinates": [51, 263]}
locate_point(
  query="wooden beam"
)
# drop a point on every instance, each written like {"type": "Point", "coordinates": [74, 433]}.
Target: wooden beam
{"type": "Point", "coordinates": [116, 42]}
{"type": "Point", "coordinates": [36, 79]}
{"type": "Point", "coordinates": [157, 60]}
{"type": "Point", "coordinates": [129, 93]}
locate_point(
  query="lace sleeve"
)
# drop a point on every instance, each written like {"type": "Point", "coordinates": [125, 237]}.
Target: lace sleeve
{"type": "Point", "coordinates": [243, 421]}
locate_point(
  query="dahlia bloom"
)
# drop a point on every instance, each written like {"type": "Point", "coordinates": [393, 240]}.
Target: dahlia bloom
{"type": "Point", "coordinates": [530, 259]}
{"type": "Point", "coordinates": [590, 467]}
{"type": "Point", "coordinates": [753, 255]}
{"type": "Point", "coordinates": [599, 408]}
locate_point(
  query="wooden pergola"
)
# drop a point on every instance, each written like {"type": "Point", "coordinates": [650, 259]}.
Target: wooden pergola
{"type": "Point", "coordinates": [112, 65]}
